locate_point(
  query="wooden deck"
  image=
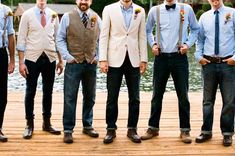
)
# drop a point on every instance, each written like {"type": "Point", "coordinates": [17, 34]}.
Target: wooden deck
{"type": "Point", "coordinates": [168, 142]}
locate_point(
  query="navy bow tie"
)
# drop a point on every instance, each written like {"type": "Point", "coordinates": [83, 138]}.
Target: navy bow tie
{"type": "Point", "coordinates": [170, 6]}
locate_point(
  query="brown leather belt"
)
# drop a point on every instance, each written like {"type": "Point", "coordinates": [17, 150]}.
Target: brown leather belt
{"type": "Point", "coordinates": [216, 59]}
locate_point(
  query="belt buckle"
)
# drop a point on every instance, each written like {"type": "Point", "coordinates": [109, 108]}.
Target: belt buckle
{"type": "Point", "coordinates": [218, 60]}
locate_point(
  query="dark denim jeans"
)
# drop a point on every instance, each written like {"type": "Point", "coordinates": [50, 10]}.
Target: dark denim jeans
{"type": "Point", "coordinates": [114, 80]}
{"type": "Point", "coordinates": [3, 83]}
{"type": "Point", "coordinates": [47, 70]}
{"type": "Point", "coordinates": [177, 66]}
{"type": "Point", "coordinates": [221, 75]}
{"type": "Point", "coordinates": [74, 74]}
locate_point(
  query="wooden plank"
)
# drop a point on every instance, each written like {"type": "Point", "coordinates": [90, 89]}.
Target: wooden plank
{"type": "Point", "coordinates": [167, 143]}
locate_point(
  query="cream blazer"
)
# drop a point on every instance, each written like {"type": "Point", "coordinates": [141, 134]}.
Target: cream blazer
{"type": "Point", "coordinates": [116, 39]}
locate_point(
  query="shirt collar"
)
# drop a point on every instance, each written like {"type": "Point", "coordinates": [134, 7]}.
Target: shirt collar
{"type": "Point", "coordinates": [165, 2]}
{"type": "Point", "coordinates": [81, 12]}
{"type": "Point", "coordinates": [122, 6]}
{"type": "Point", "coordinates": [220, 9]}
{"type": "Point", "coordinates": [38, 10]}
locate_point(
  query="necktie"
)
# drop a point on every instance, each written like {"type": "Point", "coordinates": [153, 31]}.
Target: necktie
{"type": "Point", "coordinates": [43, 18]}
{"type": "Point", "coordinates": [170, 6]}
{"type": "Point", "coordinates": [84, 19]}
{"type": "Point", "coordinates": [216, 32]}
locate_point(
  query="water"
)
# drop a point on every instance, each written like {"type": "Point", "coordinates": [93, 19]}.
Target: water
{"type": "Point", "coordinates": [17, 82]}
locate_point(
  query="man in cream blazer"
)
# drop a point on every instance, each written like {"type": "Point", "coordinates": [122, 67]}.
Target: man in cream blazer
{"type": "Point", "coordinates": [123, 51]}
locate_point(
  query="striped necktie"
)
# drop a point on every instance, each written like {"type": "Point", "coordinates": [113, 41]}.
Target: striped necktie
{"type": "Point", "coordinates": [84, 19]}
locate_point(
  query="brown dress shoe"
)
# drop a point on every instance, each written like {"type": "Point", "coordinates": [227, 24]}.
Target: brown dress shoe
{"type": "Point", "coordinates": [3, 138]}
{"type": "Point", "coordinates": [150, 133]}
{"type": "Point", "coordinates": [133, 136]}
{"type": "Point", "coordinates": [110, 136]}
{"type": "Point", "coordinates": [227, 141]}
{"type": "Point", "coordinates": [203, 137]}
{"type": "Point", "coordinates": [90, 132]}
{"type": "Point", "coordinates": [185, 137]}
{"type": "Point", "coordinates": [68, 138]}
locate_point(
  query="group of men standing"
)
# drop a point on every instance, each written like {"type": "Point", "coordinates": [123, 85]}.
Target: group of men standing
{"type": "Point", "coordinates": [120, 47]}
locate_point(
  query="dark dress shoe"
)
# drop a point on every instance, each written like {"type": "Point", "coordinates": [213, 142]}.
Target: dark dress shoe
{"type": "Point", "coordinates": [51, 129]}
{"type": "Point", "coordinates": [110, 136]}
{"type": "Point", "coordinates": [203, 137]}
{"type": "Point", "coordinates": [227, 141]}
{"type": "Point", "coordinates": [3, 138]}
{"type": "Point", "coordinates": [150, 133]}
{"type": "Point", "coordinates": [68, 138]}
{"type": "Point", "coordinates": [91, 132]}
{"type": "Point", "coordinates": [133, 136]}
{"type": "Point", "coordinates": [28, 132]}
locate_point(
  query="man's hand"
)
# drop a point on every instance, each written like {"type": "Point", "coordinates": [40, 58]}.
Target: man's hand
{"type": "Point", "coordinates": [184, 49]}
{"type": "Point", "coordinates": [143, 67]}
{"type": "Point", "coordinates": [11, 67]}
{"type": "Point", "coordinates": [59, 67]}
{"type": "Point", "coordinates": [155, 50]}
{"type": "Point", "coordinates": [23, 70]}
{"type": "Point", "coordinates": [204, 61]}
{"type": "Point", "coordinates": [104, 67]}
{"type": "Point", "coordinates": [229, 61]}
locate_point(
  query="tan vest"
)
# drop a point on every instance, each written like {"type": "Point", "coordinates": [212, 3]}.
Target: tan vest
{"type": "Point", "coordinates": [82, 41]}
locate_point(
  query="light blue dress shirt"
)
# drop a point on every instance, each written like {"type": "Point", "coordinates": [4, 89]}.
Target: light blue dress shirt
{"type": "Point", "coordinates": [37, 11]}
{"type": "Point", "coordinates": [169, 27]}
{"type": "Point", "coordinates": [206, 37]}
{"type": "Point", "coordinates": [127, 14]}
{"type": "Point", "coordinates": [9, 24]}
{"type": "Point", "coordinates": [62, 33]}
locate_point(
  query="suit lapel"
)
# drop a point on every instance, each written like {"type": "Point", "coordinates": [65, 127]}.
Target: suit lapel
{"type": "Point", "coordinates": [132, 18]}
{"type": "Point", "coordinates": [120, 15]}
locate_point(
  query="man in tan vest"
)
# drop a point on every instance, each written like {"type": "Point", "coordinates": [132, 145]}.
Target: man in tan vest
{"type": "Point", "coordinates": [37, 55]}
{"type": "Point", "coordinates": [77, 42]}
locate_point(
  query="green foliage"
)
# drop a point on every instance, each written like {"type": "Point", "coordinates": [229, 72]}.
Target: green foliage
{"type": "Point", "coordinates": [229, 4]}
{"type": "Point", "coordinates": [206, 7]}
{"type": "Point", "coordinates": [199, 13]}
{"type": "Point", "coordinates": [98, 5]}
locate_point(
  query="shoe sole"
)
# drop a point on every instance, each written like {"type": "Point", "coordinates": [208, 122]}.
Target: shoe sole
{"type": "Point", "coordinates": [27, 137]}
{"type": "Point", "coordinates": [200, 141]}
{"type": "Point", "coordinates": [110, 141]}
{"type": "Point", "coordinates": [68, 142]}
{"type": "Point", "coordinates": [4, 140]}
{"type": "Point", "coordinates": [52, 132]}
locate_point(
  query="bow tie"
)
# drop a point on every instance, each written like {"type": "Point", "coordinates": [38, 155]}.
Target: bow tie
{"type": "Point", "coordinates": [170, 6]}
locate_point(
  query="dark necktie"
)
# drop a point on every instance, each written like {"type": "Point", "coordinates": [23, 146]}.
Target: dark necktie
{"type": "Point", "coordinates": [84, 19]}
{"type": "Point", "coordinates": [43, 18]}
{"type": "Point", "coordinates": [170, 6]}
{"type": "Point", "coordinates": [216, 32]}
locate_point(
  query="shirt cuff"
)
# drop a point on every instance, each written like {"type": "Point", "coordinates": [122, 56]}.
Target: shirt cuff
{"type": "Point", "coordinates": [21, 48]}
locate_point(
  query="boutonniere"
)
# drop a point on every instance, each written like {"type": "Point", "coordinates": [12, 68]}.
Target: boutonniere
{"type": "Point", "coordinates": [137, 11]}
{"type": "Point", "coordinates": [53, 16]}
{"type": "Point", "coordinates": [8, 14]}
{"type": "Point", "coordinates": [182, 15]}
{"type": "Point", "coordinates": [227, 18]}
{"type": "Point", "coordinates": [93, 20]}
